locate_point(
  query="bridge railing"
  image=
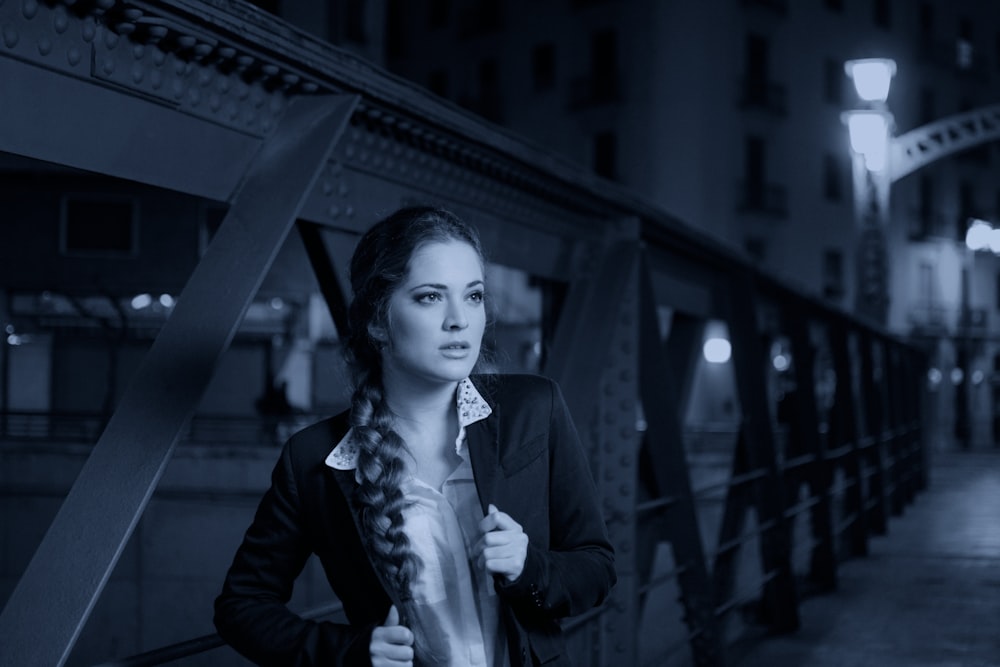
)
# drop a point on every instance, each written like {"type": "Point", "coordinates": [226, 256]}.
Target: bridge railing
{"type": "Point", "coordinates": [301, 138]}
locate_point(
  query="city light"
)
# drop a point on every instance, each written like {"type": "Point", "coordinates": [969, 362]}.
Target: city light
{"type": "Point", "coordinates": [140, 301]}
{"type": "Point", "coordinates": [717, 350]}
{"type": "Point", "coordinates": [869, 133]}
{"type": "Point", "coordinates": [871, 77]}
{"type": "Point", "coordinates": [981, 235]}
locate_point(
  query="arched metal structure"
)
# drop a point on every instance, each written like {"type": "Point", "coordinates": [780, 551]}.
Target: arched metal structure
{"type": "Point", "coordinates": [943, 137]}
{"type": "Point", "coordinates": [221, 101]}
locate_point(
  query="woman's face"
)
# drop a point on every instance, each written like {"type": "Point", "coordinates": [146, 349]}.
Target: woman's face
{"type": "Point", "coordinates": [436, 315]}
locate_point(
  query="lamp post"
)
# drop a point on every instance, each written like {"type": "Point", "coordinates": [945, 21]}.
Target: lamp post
{"type": "Point", "coordinates": [870, 129]}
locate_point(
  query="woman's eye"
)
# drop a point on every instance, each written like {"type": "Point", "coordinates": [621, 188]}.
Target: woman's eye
{"type": "Point", "coordinates": [428, 297]}
{"type": "Point", "coordinates": [476, 297]}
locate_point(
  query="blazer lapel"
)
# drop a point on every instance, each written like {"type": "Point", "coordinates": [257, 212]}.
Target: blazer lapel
{"type": "Point", "coordinates": [483, 441]}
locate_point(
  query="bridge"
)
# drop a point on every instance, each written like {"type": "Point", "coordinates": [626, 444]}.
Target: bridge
{"type": "Point", "coordinates": [733, 528]}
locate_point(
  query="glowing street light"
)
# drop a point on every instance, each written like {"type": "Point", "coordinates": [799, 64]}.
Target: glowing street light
{"type": "Point", "coordinates": [870, 133]}
{"type": "Point", "coordinates": [871, 77]}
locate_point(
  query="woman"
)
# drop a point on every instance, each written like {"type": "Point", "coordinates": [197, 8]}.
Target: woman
{"type": "Point", "coordinates": [454, 516]}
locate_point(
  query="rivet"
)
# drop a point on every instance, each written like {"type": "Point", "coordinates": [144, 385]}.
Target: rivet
{"type": "Point", "coordinates": [179, 67]}
{"type": "Point", "coordinates": [327, 188]}
{"type": "Point", "coordinates": [266, 125]}
{"type": "Point", "coordinates": [138, 51]}
{"type": "Point", "coordinates": [232, 110]}
{"type": "Point", "coordinates": [9, 37]}
{"type": "Point", "coordinates": [275, 103]}
{"type": "Point", "coordinates": [110, 39]}
{"type": "Point", "coordinates": [334, 211]}
{"type": "Point", "coordinates": [61, 20]}
{"type": "Point", "coordinates": [214, 102]}
{"type": "Point", "coordinates": [204, 77]}
{"type": "Point", "coordinates": [159, 57]}
{"type": "Point", "coordinates": [178, 88]}
{"type": "Point", "coordinates": [73, 55]}
{"type": "Point", "coordinates": [194, 96]}
{"type": "Point", "coordinates": [242, 91]}
{"type": "Point", "coordinates": [342, 188]}
{"type": "Point", "coordinates": [89, 30]}
{"type": "Point", "coordinates": [156, 79]}
{"type": "Point", "coordinates": [45, 46]}
{"type": "Point", "coordinates": [137, 73]}
{"type": "Point", "coordinates": [349, 211]}
{"type": "Point", "coordinates": [108, 66]}
{"type": "Point", "coordinates": [363, 156]}
{"type": "Point", "coordinates": [30, 8]}
{"type": "Point", "coordinates": [225, 84]}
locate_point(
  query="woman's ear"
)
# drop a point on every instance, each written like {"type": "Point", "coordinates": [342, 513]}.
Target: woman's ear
{"type": "Point", "coordinates": [378, 333]}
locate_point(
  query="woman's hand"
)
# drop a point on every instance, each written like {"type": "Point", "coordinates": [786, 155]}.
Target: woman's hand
{"type": "Point", "coordinates": [503, 546]}
{"type": "Point", "coordinates": [392, 643]}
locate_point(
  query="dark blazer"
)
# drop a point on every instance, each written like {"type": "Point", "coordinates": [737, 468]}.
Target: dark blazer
{"type": "Point", "coordinates": [527, 460]}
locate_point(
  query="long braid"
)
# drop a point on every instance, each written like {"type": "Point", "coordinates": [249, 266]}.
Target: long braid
{"type": "Point", "coordinates": [381, 469]}
{"type": "Point", "coordinates": [379, 264]}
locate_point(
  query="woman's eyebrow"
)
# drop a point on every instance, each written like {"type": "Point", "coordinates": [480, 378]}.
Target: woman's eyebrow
{"type": "Point", "coordinates": [440, 286]}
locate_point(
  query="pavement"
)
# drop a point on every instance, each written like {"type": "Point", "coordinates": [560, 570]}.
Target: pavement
{"type": "Point", "coordinates": [928, 593]}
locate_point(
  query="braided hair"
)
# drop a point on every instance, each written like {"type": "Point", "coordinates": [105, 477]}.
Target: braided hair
{"type": "Point", "coordinates": [379, 265]}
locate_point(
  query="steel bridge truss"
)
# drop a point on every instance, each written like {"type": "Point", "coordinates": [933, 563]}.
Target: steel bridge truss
{"type": "Point", "coordinates": [226, 103]}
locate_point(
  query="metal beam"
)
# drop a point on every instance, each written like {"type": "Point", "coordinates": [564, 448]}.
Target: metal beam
{"type": "Point", "coordinates": [749, 358]}
{"type": "Point", "coordinates": [661, 388]}
{"type": "Point", "coordinates": [64, 579]}
{"type": "Point", "coordinates": [944, 137]}
{"type": "Point", "coordinates": [64, 120]}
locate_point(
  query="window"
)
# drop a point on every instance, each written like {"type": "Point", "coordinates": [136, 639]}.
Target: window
{"type": "Point", "coordinates": [882, 13]}
{"type": "Point", "coordinates": [437, 82]}
{"type": "Point", "coordinates": [833, 188]}
{"type": "Point", "coordinates": [753, 166]}
{"type": "Point", "coordinates": [354, 22]}
{"type": "Point", "coordinates": [926, 22]}
{"type": "Point", "coordinates": [963, 46]}
{"type": "Point", "coordinates": [543, 66]}
{"type": "Point", "coordinates": [437, 13]}
{"type": "Point", "coordinates": [605, 149]}
{"type": "Point", "coordinates": [966, 208]}
{"type": "Point", "coordinates": [833, 81]}
{"type": "Point", "coordinates": [757, 48]}
{"type": "Point", "coordinates": [604, 64]}
{"type": "Point", "coordinates": [490, 104]}
{"type": "Point", "coordinates": [927, 113]}
{"type": "Point", "coordinates": [98, 227]}
{"type": "Point", "coordinates": [925, 283]}
{"type": "Point", "coordinates": [997, 358]}
{"type": "Point", "coordinates": [833, 273]}
{"type": "Point", "coordinates": [925, 214]}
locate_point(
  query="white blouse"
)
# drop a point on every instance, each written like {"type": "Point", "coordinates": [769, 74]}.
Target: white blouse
{"type": "Point", "coordinates": [455, 598]}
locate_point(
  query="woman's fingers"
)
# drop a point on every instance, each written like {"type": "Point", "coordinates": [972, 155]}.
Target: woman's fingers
{"type": "Point", "coordinates": [392, 643]}
{"type": "Point", "coordinates": [503, 546]}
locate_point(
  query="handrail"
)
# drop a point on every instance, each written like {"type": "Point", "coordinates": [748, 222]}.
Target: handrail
{"type": "Point", "coordinates": [189, 647]}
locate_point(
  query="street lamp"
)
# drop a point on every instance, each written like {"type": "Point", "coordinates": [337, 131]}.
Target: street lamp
{"type": "Point", "coordinates": [870, 132]}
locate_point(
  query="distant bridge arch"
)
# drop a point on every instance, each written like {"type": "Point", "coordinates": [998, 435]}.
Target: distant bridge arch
{"type": "Point", "coordinates": [943, 137]}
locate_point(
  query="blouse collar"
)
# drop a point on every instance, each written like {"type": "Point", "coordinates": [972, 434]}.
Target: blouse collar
{"type": "Point", "coordinates": [469, 405]}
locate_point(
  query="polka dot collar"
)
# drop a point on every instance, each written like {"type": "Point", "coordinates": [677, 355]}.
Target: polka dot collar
{"type": "Point", "coordinates": [469, 403]}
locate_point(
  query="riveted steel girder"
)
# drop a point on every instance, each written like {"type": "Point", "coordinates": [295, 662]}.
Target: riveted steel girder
{"type": "Point", "coordinates": [54, 597]}
{"type": "Point", "coordinates": [925, 144]}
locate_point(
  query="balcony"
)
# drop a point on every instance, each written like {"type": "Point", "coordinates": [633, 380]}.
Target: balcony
{"type": "Point", "coordinates": [764, 198]}
{"type": "Point", "coordinates": [777, 6]}
{"type": "Point", "coordinates": [591, 91]}
{"type": "Point", "coordinates": [760, 94]}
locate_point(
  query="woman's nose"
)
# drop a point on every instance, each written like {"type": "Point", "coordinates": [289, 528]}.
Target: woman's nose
{"type": "Point", "coordinates": [455, 318]}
